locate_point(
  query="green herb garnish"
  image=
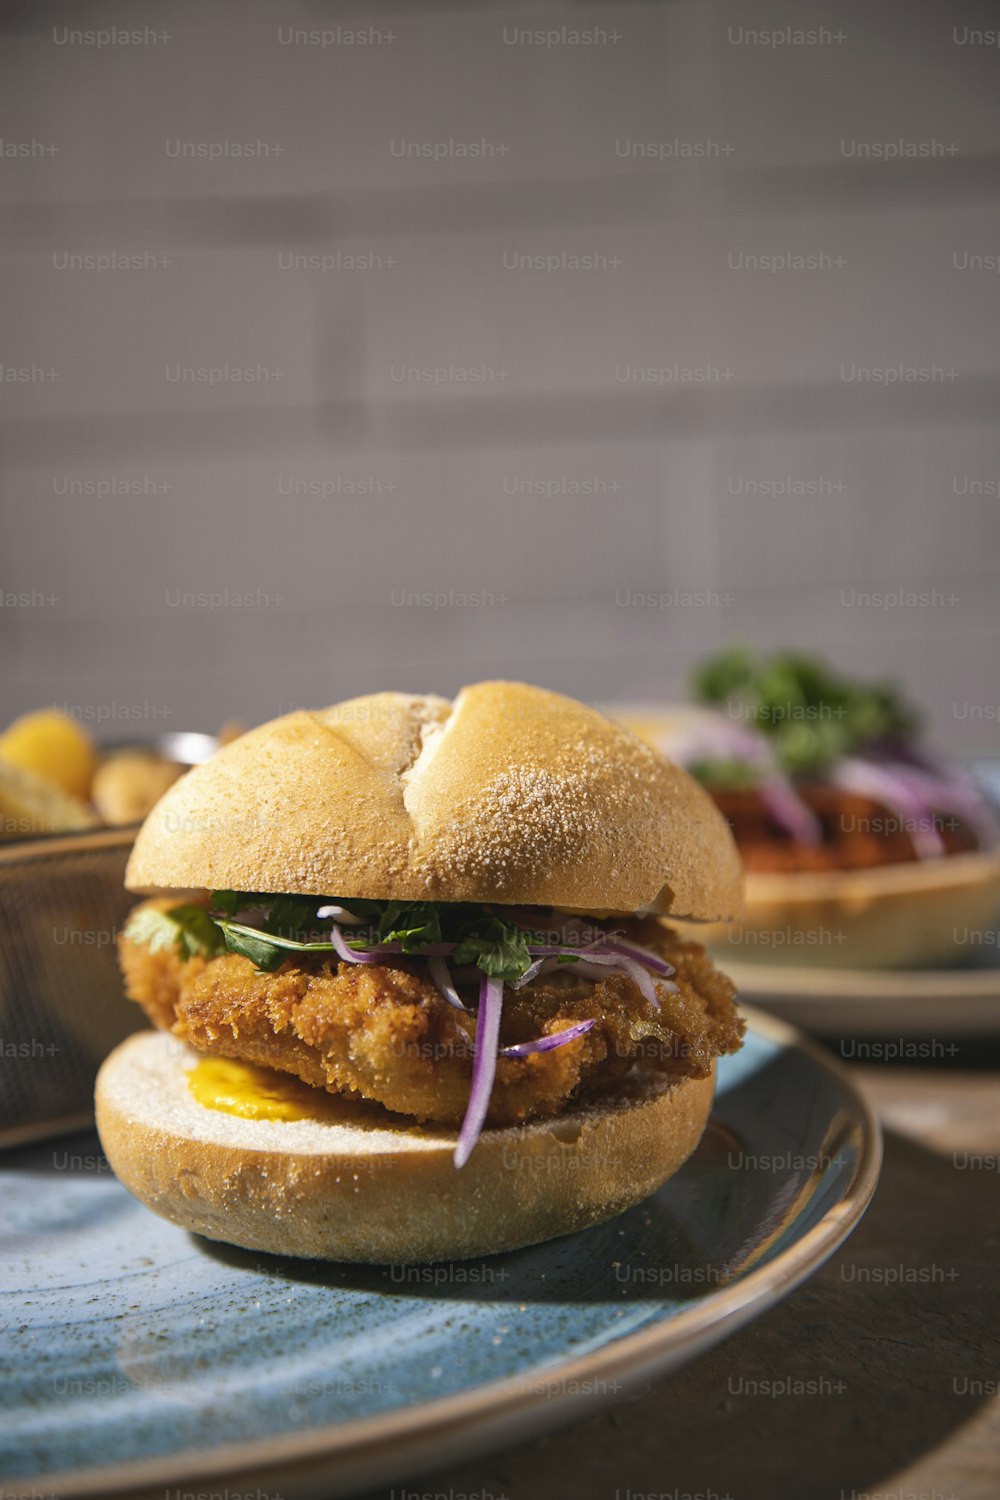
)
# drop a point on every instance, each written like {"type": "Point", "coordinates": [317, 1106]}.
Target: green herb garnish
{"type": "Point", "coordinates": [482, 938]}
{"type": "Point", "coordinates": [734, 774]}
{"type": "Point", "coordinates": [498, 948]}
{"type": "Point", "coordinates": [811, 715]}
{"type": "Point", "coordinates": [188, 928]}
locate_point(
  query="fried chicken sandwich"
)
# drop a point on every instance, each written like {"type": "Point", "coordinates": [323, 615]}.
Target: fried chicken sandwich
{"type": "Point", "coordinates": [413, 998]}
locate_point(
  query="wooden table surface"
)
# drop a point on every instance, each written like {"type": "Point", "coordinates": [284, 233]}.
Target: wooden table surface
{"type": "Point", "coordinates": [899, 1333]}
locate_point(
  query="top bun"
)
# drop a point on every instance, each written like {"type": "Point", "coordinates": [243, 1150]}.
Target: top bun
{"type": "Point", "coordinates": [510, 794]}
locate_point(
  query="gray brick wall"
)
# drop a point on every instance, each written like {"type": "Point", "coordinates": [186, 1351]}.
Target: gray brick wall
{"type": "Point", "coordinates": [560, 376]}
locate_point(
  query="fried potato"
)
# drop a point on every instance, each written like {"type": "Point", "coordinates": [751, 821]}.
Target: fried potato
{"type": "Point", "coordinates": [30, 806]}
{"type": "Point", "coordinates": [54, 747]}
{"type": "Point", "coordinates": [127, 785]}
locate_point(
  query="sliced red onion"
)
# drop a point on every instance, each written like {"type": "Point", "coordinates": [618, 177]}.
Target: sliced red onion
{"type": "Point", "coordinates": [441, 977]}
{"type": "Point", "coordinates": [547, 1043]}
{"type": "Point", "coordinates": [559, 950]}
{"type": "Point", "coordinates": [630, 966]}
{"type": "Point", "coordinates": [642, 978]}
{"type": "Point", "coordinates": [885, 784]}
{"type": "Point", "coordinates": [630, 958]}
{"type": "Point", "coordinates": [952, 790]}
{"type": "Point", "coordinates": [588, 970]}
{"type": "Point", "coordinates": [379, 951]}
{"type": "Point", "coordinates": [340, 914]}
{"type": "Point", "coordinates": [579, 965]}
{"type": "Point", "coordinates": [252, 916]}
{"type": "Point", "coordinates": [594, 965]}
{"type": "Point", "coordinates": [606, 947]}
{"type": "Point", "coordinates": [599, 969]}
{"type": "Point", "coordinates": [644, 955]}
{"type": "Point", "coordinates": [484, 1066]}
{"type": "Point", "coordinates": [715, 737]}
{"type": "Point", "coordinates": [350, 955]}
{"type": "Point", "coordinates": [530, 973]}
{"type": "Point", "coordinates": [789, 811]}
{"type": "Point", "coordinates": [612, 960]}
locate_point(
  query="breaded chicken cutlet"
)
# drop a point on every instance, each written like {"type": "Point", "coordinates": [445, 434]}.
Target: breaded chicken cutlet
{"type": "Point", "coordinates": [385, 1033]}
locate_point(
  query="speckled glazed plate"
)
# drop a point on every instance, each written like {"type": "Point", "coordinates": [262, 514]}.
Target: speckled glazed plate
{"type": "Point", "coordinates": [138, 1358]}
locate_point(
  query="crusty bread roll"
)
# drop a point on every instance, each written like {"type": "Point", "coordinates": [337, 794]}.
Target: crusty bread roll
{"type": "Point", "coordinates": [376, 1188]}
{"type": "Point", "coordinates": [511, 794]}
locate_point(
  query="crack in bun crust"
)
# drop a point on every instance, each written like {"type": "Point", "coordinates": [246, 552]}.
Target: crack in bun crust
{"type": "Point", "coordinates": [510, 794]}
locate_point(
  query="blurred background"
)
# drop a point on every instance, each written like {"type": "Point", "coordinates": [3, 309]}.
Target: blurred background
{"type": "Point", "coordinates": [347, 347]}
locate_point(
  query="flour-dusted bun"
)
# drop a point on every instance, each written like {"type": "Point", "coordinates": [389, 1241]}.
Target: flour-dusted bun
{"type": "Point", "coordinates": [510, 794]}
{"type": "Point", "coordinates": [377, 1188]}
{"type": "Point", "coordinates": [889, 917]}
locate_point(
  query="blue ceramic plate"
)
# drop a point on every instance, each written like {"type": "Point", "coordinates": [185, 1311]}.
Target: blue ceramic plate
{"type": "Point", "coordinates": [136, 1356]}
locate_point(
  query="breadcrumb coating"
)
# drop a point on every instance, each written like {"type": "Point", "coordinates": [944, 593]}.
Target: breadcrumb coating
{"type": "Point", "coordinates": [383, 1032]}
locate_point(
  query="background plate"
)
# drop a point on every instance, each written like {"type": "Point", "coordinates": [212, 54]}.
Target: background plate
{"type": "Point", "coordinates": [876, 1002]}
{"type": "Point", "coordinates": [909, 1003]}
{"type": "Point", "coordinates": [138, 1356]}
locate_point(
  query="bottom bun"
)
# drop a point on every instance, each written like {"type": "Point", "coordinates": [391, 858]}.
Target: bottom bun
{"type": "Point", "coordinates": [888, 917]}
{"type": "Point", "coordinates": [373, 1187]}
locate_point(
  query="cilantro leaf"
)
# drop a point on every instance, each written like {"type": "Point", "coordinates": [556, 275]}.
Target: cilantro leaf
{"type": "Point", "coordinates": [230, 902]}
{"type": "Point", "coordinates": [413, 924]}
{"type": "Point", "coordinates": [482, 937]}
{"type": "Point", "coordinates": [812, 715]}
{"type": "Point", "coordinates": [734, 775]}
{"type": "Point", "coordinates": [254, 946]}
{"type": "Point", "coordinates": [498, 948]}
{"type": "Point", "coordinates": [290, 916]}
{"type": "Point", "coordinates": [186, 927]}
{"type": "Point", "coordinates": [285, 914]}
{"type": "Point", "coordinates": [722, 676]}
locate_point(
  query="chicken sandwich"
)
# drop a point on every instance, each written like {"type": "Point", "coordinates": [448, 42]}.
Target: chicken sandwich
{"type": "Point", "coordinates": [412, 992]}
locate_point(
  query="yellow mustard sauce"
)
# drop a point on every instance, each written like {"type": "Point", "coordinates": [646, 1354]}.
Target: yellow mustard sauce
{"type": "Point", "coordinates": [255, 1093]}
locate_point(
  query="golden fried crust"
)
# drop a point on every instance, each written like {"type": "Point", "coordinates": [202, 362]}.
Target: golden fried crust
{"type": "Point", "coordinates": [383, 1031]}
{"type": "Point", "coordinates": [155, 979]}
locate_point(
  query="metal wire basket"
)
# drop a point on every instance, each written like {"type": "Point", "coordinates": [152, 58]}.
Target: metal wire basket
{"type": "Point", "coordinates": [62, 1008]}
